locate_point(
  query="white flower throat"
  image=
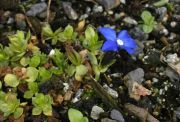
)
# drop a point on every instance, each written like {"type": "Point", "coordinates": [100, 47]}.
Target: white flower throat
{"type": "Point", "coordinates": [120, 42]}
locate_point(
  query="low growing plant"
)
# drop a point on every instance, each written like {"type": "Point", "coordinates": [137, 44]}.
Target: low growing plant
{"type": "Point", "coordinates": [77, 67]}
{"type": "Point", "coordinates": [148, 22]}
{"type": "Point", "coordinates": [33, 89]}
{"type": "Point", "coordinates": [9, 104]}
{"type": "Point", "coordinates": [76, 116]}
{"type": "Point", "coordinates": [42, 104]}
{"type": "Point", "coordinates": [91, 41]}
{"type": "Point", "coordinates": [58, 35]}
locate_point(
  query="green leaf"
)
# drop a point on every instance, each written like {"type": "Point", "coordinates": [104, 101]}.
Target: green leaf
{"type": "Point", "coordinates": [58, 58]}
{"type": "Point", "coordinates": [35, 61]}
{"type": "Point", "coordinates": [76, 116]}
{"type": "Point", "coordinates": [147, 29]}
{"type": "Point", "coordinates": [44, 74]}
{"type": "Point", "coordinates": [160, 3]}
{"type": "Point", "coordinates": [81, 70]}
{"type": "Point", "coordinates": [68, 32]}
{"type": "Point", "coordinates": [92, 58]}
{"type": "Point", "coordinates": [47, 31]}
{"type": "Point", "coordinates": [36, 111]}
{"type": "Point", "coordinates": [11, 80]}
{"type": "Point", "coordinates": [70, 70]}
{"type": "Point", "coordinates": [18, 112]}
{"type": "Point", "coordinates": [146, 16]}
{"type": "Point", "coordinates": [89, 33]}
{"type": "Point", "coordinates": [73, 56]}
{"type": "Point", "coordinates": [56, 71]}
{"type": "Point", "coordinates": [84, 119]}
{"type": "Point", "coordinates": [0, 84]}
{"type": "Point", "coordinates": [28, 94]}
{"type": "Point", "coordinates": [24, 61]}
{"type": "Point", "coordinates": [32, 74]}
{"type": "Point", "coordinates": [47, 110]}
{"type": "Point", "coordinates": [33, 86]}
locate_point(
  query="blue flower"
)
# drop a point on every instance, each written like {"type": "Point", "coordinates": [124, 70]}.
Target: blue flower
{"type": "Point", "coordinates": [116, 42]}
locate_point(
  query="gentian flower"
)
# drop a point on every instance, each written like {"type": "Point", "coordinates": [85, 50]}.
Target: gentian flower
{"type": "Point", "coordinates": [116, 42]}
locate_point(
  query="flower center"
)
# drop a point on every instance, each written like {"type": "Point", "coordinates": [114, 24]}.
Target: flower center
{"type": "Point", "coordinates": [120, 42]}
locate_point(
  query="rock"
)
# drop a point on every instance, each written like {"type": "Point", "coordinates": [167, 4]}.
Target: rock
{"type": "Point", "coordinates": [171, 58]}
{"type": "Point", "coordinates": [123, 1]}
{"type": "Point", "coordinates": [109, 4]}
{"type": "Point", "coordinates": [138, 34]}
{"type": "Point", "coordinates": [77, 95]}
{"type": "Point", "coordinates": [97, 9]}
{"type": "Point", "coordinates": [173, 76]}
{"type": "Point", "coordinates": [164, 31]}
{"type": "Point", "coordinates": [108, 120]}
{"type": "Point", "coordinates": [136, 75]}
{"type": "Point", "coordinates": [116, 115]}
{"type": "Point", "coordinates": [162, 11]}
{"type": "Point", "coordinates": [152, 58]}
{"type": "Point", "coordinates": [96, 110]}
{"type": "Point", "coordinates": [66, 86]}
{"type": "Point", "coordinates": [155, 80]}
{"type": "Point", "coordinates": [110, 91]}
{"type": "Point", "coordinates": [68, 95]}
{"type": "Point", "coordinates": [36, 9]}
{"type": "Point", "coordinates": [177, 112]}
{"type": "Point", "coordinates": [70, 12]}
{"type": "Point", "coordinates": [130, 21]}
{"type": "Point", "coordinates": [10, 20]}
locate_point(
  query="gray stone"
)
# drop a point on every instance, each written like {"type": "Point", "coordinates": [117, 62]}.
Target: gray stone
{"type": "Point", "coordinates": [37, 9]}
{"type": "Point", "coordinates": [162, 11]}
{"type": "Point", "coordinates": [10, 20]}
{"type": "Point", "coordinates": [97, 9]}
{"type": "Point", "coordinates": [177, 112]}
{"type": "Point", "coordinates": [136, 75]}
{"type": "Point", "coordinates": [96, 110]}
{"type": "Point", "coordinates": [138, 34]}
{"type": "Point", "coordinates": [110, 91]}
{"type": "Point", "coordinates": [70, 12]}
{"type": "Point", "coordinates": [109, 4]}
{"type": "Point", "coordinates": [173, 76]}
{"type": "Point", "coordinates": [172, 58]}
{"type": "Point", "coordinates": [108, 120]}
{"type": "Point", "coordinates": [130, 21]}
{"type": "Point", "coordinates": [116, 115]}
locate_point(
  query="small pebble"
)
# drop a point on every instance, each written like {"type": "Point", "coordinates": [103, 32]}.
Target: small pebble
{"type": "Point", "coordinates": [116, 115]}
{"type": "Point", "coordinates": [172, 58]}
{"type": "Point", "coordinates": [155, 80]}
{"type": "Point", "coordinates": [178, 112]}
{"type": "Point", "coordinates": [110, 91]}
{"type": "Point", "coordinates": [68, 95]}
{"type": "Point", "coordinates": [66, 87]}
{"type": "Point", "coordinates": [96, 110]}
{"type": "Point", "coordinates": [70, 12]}
{"type": "Point", "coordinates": [37, 9]}
{"type": "Point", "coordinates": [110, 12]}
{"type": "Point", "coordinates": [108, 120]}
{"type": "Point", "coordinates": [97, 9]}
{"type": "Point", "coordinates": [130, 21]}
{"type": "Point", "coordinates": [52, 52]}
{"type": "Point", "coordinates": [10, 20]}
{"type": "Point", "coordinates": [173, 24]}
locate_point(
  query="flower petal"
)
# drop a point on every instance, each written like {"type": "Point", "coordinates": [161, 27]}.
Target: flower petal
{"type": "Point", "coordinates": [108, 33]}
{"type": "Point", "coordinates": [110, 46]}
{"type": "Point", "coordinates": [127, 40]}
